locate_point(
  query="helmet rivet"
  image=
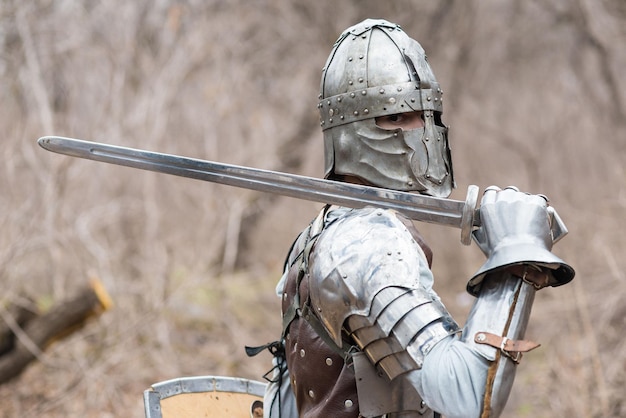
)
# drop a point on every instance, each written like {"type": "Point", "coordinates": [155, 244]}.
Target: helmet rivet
{"type": "Point", "coordinates": [350, 59]}
{"type": "Point", "coordinates": [361, 56]}
{"type": "Point", "coordinates": [366, 111]}
{"type": "Point", "coordinates": [381, 91]}
{"type": "Point", "coordinates": [342, 117]}
{"type": "Point", "coordinates": [360, 79]}
{"type": "Point", "coordinates": [356, 113]}
{"type": "Point", "coordinates": [428, 98]}
{"type": "Point", "coordinates": [352, 95]}
{"type": "Point", "coordinates": [364, 92]}
{"type": "Point", "coordinates": [412, 99]}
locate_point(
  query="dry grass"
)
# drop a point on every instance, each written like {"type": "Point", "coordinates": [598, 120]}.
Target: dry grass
{"type": "Point", "coordinates": [535, 97]}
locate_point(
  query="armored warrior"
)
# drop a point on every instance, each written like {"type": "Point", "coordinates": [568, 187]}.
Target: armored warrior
{"type": "Point", "coordinates": [365, 334]}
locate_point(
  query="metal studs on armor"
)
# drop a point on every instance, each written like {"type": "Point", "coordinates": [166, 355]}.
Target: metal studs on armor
{"type": "Point", "coordinates": [348, 403]}
{"type": "Point", "coordinates": [329, 361]}
{"type": "Point", "coordinates": [481, 337]}
{"type": "Point", "coordinates": [302, 353]}
{"type": "Point", "coordinates": [311, 393]}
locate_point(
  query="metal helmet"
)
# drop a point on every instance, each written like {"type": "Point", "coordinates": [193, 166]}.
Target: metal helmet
{"type": "Point", "coordinates": [374, 70]}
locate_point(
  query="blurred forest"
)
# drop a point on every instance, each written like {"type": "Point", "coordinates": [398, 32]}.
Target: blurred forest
{"type": "Point", "coordinates": [535, 97]}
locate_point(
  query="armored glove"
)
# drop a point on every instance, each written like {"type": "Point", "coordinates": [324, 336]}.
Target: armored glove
{"type": "Point", "coordinates": [515, 233]}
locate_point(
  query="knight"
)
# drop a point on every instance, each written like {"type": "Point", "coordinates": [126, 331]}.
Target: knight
{"type": "Point", "coordinates": [364, 332]}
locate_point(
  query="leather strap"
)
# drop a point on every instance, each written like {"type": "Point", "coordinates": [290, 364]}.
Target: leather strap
{"type": "Point", "coordinates": [510, 348]}
{"type": "Point", "coordinates": [532, 275]}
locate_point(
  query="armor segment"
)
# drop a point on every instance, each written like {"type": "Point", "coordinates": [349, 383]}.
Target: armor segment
{"type": "Point", "coordinates": [376, 70]}
{"type": "Point", "coordinates": [376, 287]}
{"type": "Point", "coordinates": [524, 239]}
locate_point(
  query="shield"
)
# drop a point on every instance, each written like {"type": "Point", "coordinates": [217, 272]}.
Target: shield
{"type": "Point", "coordinates": [205, 396]}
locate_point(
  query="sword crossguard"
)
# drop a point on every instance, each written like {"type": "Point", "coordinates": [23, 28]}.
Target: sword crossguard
{"type": "Point", "coordinates": [469, 214]}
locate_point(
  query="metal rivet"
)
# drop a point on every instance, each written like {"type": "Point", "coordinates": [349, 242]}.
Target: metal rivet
{"type": "Point", "coordinates": [348, 403]}
{"type": "Point", "coordinates": [356, 113]}
{"type": "Point", "coordinates": [366, 111]}
{"type": "Point", "coordinates": [392, 100]}
{"type": "Point", "coordinates": [311, 394]}
{"type": "Point", "coordinates": [364, 92]}
{"type": "Point", "coordinates": [351, 82]}
{"type": "Point", "coordinates": [352, 95]}
{"type": "Point", "coordinates": [329, 361]}
{"type": "Point", "coordinates": [429, 98]}
{"type": "Point", "coordinates": [410, 183]}
{"type": "Point", "coordinates": [481, 337]}
{"type": "Point", "coordinates": [328, 103]}
{"type": "Point", "coordinates": [302, 353]}
{"type": "Point", "coordinates": [339, 99]}
{"type": "Point", "coordinates": [350, 59]}
{"type": "Point", "coordinates": [381, 91]}
{"type": "Point", "coordinates": [361, 56]}
{"type": "Point", "coordinates": [331, 112]}
{"type": "Point", "coordinates": [360, 79]}
{"type": "Point", "coordinates": [399, 88]}
{"type": "Point", "coordinates": [342, 117]}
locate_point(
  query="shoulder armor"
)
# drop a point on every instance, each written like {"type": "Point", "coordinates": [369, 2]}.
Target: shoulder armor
{"type": "Point", "coordinates": [357, 255]}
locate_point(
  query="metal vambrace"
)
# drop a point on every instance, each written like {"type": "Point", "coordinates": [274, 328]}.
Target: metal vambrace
{"type": "Point", "coordinates": [495, 329]}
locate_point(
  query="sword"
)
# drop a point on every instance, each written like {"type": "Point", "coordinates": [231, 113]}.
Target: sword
{"type": "Point", "coordinates": [435, 210]}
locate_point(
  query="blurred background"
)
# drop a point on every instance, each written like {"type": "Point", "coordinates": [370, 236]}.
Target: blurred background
{"type": "Point", "coordinates": [535, 97]}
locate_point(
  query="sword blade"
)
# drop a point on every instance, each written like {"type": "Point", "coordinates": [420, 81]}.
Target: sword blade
{"type": "Point", "coordinates": [417, 207]}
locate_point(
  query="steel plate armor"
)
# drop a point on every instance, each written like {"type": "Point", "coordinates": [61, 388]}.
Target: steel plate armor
{"type": "Point", "coordinates": [364, 333]}
{"type": "Point", "coordinates": [375, 70]}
